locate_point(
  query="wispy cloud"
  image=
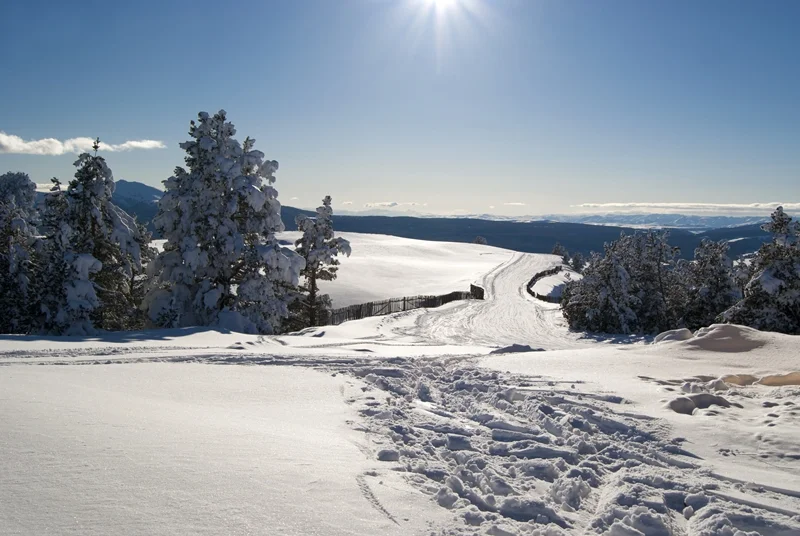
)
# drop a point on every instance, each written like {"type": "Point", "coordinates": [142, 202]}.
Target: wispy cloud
{"type": "Point", "coordinates": [347, 202]}
{"type": "Point", "coordinates": [514, 204]}
{"type": "Point", "coordinates": [705, 208]}
{"type": "Point", "coordinates": [10, 144]}
{"type": "Point", "coordinates": [294, 198]}
{"type": "Point", "coordinates": [491, 206]}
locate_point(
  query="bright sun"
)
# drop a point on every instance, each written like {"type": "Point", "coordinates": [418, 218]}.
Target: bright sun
{"type": "Point", "coordinates": [443, 4]}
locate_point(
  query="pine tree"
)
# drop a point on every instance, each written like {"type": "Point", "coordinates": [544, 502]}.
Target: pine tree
{"type": "Point", "coordinates": [65, 291]}
{"type": "Point", "coordinates": [561, 251]}
{"type": "Point", "coordinates": [711, 287]}
{"type": "Point", "coordinates": [319, 247]}
{"type": "Point", "coordinates": [480, 241]}
{"type": "Point", "coordinates": [577, 262]}
{"type": "Point", "coordinates": [54, 272]}
{"type": "Point", "coordinates": [109, 235]}
{"type": "Point", "coordinates": [17, 239]}
{"type": "Point", "coordinates": [221, 264]}
{"type": "Point", "coordinates": [634, 287]}
{"type": "Point", "coordinates": [771, 299]}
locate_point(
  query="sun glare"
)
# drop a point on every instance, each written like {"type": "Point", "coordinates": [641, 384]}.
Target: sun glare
{"type": "Point", "coordinates": [443, 4]}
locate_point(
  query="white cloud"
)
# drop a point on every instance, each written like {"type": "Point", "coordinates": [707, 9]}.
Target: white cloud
{"type": "Point", "coordinates": [10, 144]}
{"type": "Point", "coordinates": [491, 206]}
{"type": "Point", "coordinates": [293, 198]}
{"type": "Point", "coordinates": [347, 202]}
{"type": "Point", "coordinates": [514, 204]}
{"type": "Point", "coordinates": [712, 208]}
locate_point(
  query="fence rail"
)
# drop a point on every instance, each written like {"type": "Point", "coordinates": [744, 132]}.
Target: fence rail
{"type": "Point", "coordinates": [542, 275]}
{"type": "Point", "coordinates": [397, 305]}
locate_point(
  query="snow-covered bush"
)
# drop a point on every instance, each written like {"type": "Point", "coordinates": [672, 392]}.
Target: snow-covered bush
{"type": "Point", "coordinates": [221, 264]}
{"type": "Point", "coordinates": [319, 247]}
{"type": "Point", "coordinates": [17, 239]}
{"type": "Point", "coordinates": [771, 299]}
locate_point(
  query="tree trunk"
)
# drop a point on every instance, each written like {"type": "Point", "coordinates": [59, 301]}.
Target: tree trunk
{"type": "Point", "coordinates": [312, 299]}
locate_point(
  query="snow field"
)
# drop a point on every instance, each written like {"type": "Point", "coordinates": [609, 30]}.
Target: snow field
{"type": "Point", "coordinates": [383, 267]}
{"type": "Point", "coordinates": [469, 429]}
{"type": "Point", "coordinates": [162, 449]}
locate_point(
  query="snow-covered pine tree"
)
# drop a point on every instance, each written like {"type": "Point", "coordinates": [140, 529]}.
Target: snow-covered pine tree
{"type": "Point", "coordinates": [632, 288]}
{"type": "Point", "coordinates": [771, 299]}
{"type": "Point", "coordinates": [604, 300]}
{"type": "Point", "coordinates": [655, 281]}
{"type": "Point", "coordinates": [561, 251]}
{"type": "Point", "coordinates": [221, 264]}
{"type": "Point", "coordinates": [319, 247]}
{"type": "Point", "coordinates": [54, 274]}
{"type": "Point", "coordinates": [109, 235]}
{"type": "Point", "coordinates": [577, 262]}
{"type": "Point", "coordinates": [17, 239]}
{"type": "Point", "coordinates": [709, 283]}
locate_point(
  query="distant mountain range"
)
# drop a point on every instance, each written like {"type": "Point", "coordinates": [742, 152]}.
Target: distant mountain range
{"type": "Point", "coordinates": [584, 233]}
{"type": "Point", "coordinates": [674, 221]}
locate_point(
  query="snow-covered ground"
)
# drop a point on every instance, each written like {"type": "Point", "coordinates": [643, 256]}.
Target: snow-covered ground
{"type": "Point", "coordinates": [480, 417]}
{"type": "Point", "coordinates": [553, 285]}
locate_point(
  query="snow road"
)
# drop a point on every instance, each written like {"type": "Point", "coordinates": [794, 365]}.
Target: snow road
{"type": "Point", "coordinates": [508, 314]}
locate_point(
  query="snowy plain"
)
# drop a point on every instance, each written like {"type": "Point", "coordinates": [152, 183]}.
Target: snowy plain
{"type": "Point", "coordinates": [479, 417]}
{"type": "Point", "coordinates": [383, 267]}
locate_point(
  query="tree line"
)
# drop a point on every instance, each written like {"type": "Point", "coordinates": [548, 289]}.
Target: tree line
{"type": "Point", "coordinates": [638, 284]}
{"type": "Point", "coordinates": [74, 263]}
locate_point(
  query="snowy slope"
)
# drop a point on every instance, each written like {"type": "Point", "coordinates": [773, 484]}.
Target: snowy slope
{"type": "Point", "coordinates": [481, 434]}
{"type": "Point", "coordinates": [383, 267]}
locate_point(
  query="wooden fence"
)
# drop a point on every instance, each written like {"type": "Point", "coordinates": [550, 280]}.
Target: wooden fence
{"type": "Point", "coordinates": [542, 275]}
{"type": "Point", "coordinates": [397, 305]}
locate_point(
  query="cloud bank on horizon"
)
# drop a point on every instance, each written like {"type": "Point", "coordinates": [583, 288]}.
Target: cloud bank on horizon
{"type": "Point", "coordinates": [391, 204]}
{"type": "Point", "coordinates": [709, 208]}
{"type": "Point", "coordinates": [11, 144]}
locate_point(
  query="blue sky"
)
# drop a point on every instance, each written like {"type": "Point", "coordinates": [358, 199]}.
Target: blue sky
{"type": "Point", "coordinates": [457, 106]}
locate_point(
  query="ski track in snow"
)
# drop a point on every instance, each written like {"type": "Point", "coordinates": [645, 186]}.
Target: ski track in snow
{"type": "Point", "coordinates": [505, 453]}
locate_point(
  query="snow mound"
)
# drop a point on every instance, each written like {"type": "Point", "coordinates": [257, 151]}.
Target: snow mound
{"type": "Point", "coordinates": [772, 380]}
{"type": "Point", "coordinates": [688, 404]}
{"type": "Point", "coordinates": [682, 334]}
{"type": "Point", "coordinates": [727, 338]}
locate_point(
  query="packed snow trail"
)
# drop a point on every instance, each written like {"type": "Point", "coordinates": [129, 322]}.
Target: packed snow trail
{"type": "Point", "coordinates": [508, 314]}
